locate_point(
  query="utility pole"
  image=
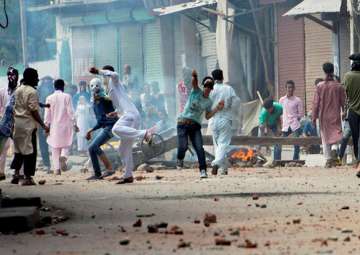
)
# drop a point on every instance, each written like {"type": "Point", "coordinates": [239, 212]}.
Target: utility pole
{"type": "Point", "coordinates": [23, 32]}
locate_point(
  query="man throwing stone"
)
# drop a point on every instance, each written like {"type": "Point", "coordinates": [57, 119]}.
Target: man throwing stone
{"type": "Point", "coordinates": [189, 121]}
{"type": "Point", "coordinates": [127, 127]}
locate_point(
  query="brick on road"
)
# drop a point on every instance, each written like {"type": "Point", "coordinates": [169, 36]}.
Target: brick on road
{"type": "Point", "coordinates": [18, 219]}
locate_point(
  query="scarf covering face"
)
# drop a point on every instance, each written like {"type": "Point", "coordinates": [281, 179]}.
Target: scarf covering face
{"type": "Point", "coordinates": [96, 89]}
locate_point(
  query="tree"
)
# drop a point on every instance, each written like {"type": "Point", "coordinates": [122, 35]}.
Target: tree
{"type": "Point", "coordinates": [10, 38]}
{"type": "Point", "coordinates": [39, 28]}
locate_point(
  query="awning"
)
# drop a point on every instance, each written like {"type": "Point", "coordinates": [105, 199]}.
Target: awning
{"type": "Point", "coordinates": [315, 6]}
{"type": "Point", "coordinates": [70, 5]}
{"type": "Point", "coordinates": [183, 7]}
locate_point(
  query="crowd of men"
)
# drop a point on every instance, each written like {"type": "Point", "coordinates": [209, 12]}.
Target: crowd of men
{"type": "Point", "coordinates": [335, 107]}
{"type": "Point", "coordinates": [55, 112]}
{"type": "Point", "coordinates": [120, 110]}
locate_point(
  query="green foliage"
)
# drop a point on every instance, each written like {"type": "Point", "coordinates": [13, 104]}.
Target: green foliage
{"type": "Point", "coordinates": [40, 26]}
{"type": "Point", "coordinates": [10, 43]}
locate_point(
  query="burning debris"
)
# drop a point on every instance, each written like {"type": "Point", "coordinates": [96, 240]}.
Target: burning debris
{"type": "Point", "coordinates": [246, 157]}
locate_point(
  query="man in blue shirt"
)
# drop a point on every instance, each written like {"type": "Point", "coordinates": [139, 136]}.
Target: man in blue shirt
{"type": "Point", "coordinates": [189, 121]}
{"type": "Point", "coordinates": [102, 106]}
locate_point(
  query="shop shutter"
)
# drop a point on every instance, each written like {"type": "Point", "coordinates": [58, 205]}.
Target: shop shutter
{"type": "Point", "coordinates": [291, 53]}
{"type": "Point", "coordinates": [318, 50]}
{"type": "Point", "coordinates": [208, 46]}
{"type": "Point", "coordinates": [131, 48]}
{"type": "Point", "coordinates": [152, 53]}
{"type": "Point", "coordinates": [106, 51]}
{"type": "Point", "coordinates": [82, 51]}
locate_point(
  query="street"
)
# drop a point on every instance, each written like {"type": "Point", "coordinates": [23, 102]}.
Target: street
{"type": "Point", "coordinates": [309, 210]}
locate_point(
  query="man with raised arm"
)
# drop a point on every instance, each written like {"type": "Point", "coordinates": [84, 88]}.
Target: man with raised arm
{"type": "Point", "coordinates": [189, 121]}
{"type": "Point", "coordinates": [127, 127]}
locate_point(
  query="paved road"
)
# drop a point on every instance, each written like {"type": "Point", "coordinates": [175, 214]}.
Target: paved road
{"type": "Point", "coordinates": [298, 211]}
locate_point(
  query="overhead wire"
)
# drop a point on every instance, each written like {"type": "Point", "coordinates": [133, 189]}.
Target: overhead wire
{"type": "Point", "coordinates": [6, 17]}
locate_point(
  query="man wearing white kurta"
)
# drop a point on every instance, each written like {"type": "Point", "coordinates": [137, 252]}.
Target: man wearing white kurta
{"type": "Point", "coordinates": [60, 117]}
{"type": "Point", "coordinates": [221, 123]}
{"type": "Point", "coordinates": [127, 127]}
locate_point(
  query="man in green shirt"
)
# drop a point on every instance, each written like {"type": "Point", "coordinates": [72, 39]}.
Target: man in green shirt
{"type": "Point", "coordinates": [270, 121]}
{"type": "Point", "coordinates": [352, 88]}
{"type": "Point", "coordinates": [189, 121]}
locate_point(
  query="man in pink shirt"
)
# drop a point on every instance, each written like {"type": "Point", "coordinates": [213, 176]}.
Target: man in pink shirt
{"type": "Point", "coordinates": [328, 104]}
{"type": "Point", "coordinates": [61, 120]}
{"type": "Point", "coordinates": [293, 111]}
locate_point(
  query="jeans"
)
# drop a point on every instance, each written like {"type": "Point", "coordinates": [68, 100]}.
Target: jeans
{"type": "Point", "coordinates": [344, 140]}
{"type": "Point", "coordinates": [296, 133]}
{"type": "Point", "coordinates": [4, 147]}
{"type": "Point", "coordinates": [277, 148]}
{"type": "Point", "coordinates": [44, 148]}
{"type": "Point", "coordinates": [192, 131]}
{"type": "Point", "coordinates": [94, 148]}
{"type": "Point", "coordinates": [354, 122]}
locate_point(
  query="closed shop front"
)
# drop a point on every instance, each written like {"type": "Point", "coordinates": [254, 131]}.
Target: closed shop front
{"type": "Point", "coordinates": [82, 42]}
{"type": "Point", "coordinates": [152, 53]}
{"type": "Point", "coordinates": [105, 46]}
{"type": "Point", "coordinates": [208, 47]}
{"type": "Point", "coordinates": [130, 38]}
{"type": "Point", "coordinates": [118, 44]}
{"type": "Point", "coordinates": [291, 53]}
{"type": "Point", "coordinates": [319, 49]}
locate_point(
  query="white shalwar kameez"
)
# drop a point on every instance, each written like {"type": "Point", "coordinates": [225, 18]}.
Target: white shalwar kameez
{"type": "Point", "coordinates": [127, 127]}
{"type": "Point", "coordinates": [83, 121]}
{"type": "Point", "coordinates": [221, 123]}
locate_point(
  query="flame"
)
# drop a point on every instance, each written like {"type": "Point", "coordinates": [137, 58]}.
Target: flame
{"type": "Point", "coordinates": [243, 154]}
